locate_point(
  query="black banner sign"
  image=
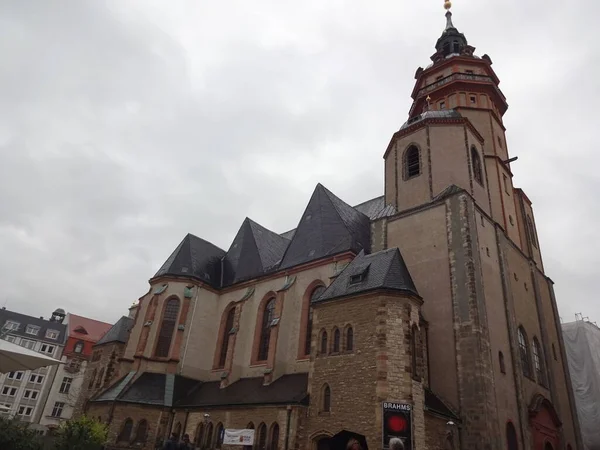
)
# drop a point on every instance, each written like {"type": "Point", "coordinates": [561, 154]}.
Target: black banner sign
{"type": "Point", "coordinates": [397, 422]}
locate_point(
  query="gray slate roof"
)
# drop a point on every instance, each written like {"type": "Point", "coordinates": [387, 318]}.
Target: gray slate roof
{"type": "Point", "coordinates": [197, 258]}
{"type": "Point", "coordinates": [443, 114]}
{"type": "Point", "coordinates": [254, 251]}
{"type": "Point", "coordinates": [382, 270]}
{"type": "Point", "coordinates": [119, 332]}
{"type": "Point", "coordinates": [288, 389]}
{"type": "Point", "coordinates": [25, 320]}
{"type": "Point", "coordinates": [328, 226]}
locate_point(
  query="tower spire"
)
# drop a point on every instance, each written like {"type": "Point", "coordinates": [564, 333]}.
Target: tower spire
{"type": "Point", "coordinates": [447, 6]}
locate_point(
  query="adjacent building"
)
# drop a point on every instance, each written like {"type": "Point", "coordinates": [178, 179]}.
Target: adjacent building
{"type": "Point", "coordinates": [25, 393]}
{"type": "Point", "coordinates": [82, 334]}
{"type": "Point", "coordinates": [582, 343]}
{"type": "Point", "coordinates": [431, 300]}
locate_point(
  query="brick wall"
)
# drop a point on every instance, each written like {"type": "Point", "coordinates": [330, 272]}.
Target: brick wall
{"type": "Point", "coordinates": [436, 432]}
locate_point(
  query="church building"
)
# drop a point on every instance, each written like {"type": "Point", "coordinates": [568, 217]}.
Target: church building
{"type": "Point", "coordinates": [431, 299]}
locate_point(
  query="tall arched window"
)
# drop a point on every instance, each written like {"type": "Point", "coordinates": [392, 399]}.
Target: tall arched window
{"type": "Point", "coordinates": [477, 168]}
{"type": "Point", "coordinates": [524, 352]}
{"type": "Point", "coordinates": [349, 339]}
{"type": "Point", "coordinates": [262, 437]}
{"type": "Point", "coordinates": [126, 429]}
{"type": "Point", "coordinates": [141, 433]}
{"type": "Point", "coordinates": [538, 362]}
{"type": "Point", "coordinates": [198, 438]}
{"type": "Point", "coordinates": [265, 332]}
{"type": "Point", "coordinates": [78, 347]}
{"type": "Point", "coordinates": [209, 435]}
{"type": "Point", "coordinates": [323, 343]}
{"type": "Point", "coordinates": [326, 399]}
{"type": "Point", "coordinates": [99, 380]}
{"type": "Point", "coordinates": [511, 437]}
{"type": "Point", "coordinates": [336, 341]}
{"type": "Point", "coordinates": [92, 379]}
{"type": "Point", "coordinates": [219, 436]}
{"type": "Point", "coordinates": [274, 441]}
{"type": "Point", "coordinates": [531, 232]}
{"type": "Point", "coordinates": [225, 338]}
{"type": "Point", "coordinates": [412, 162]}
{"type": "Point", "coordinates": [501, 362]}
{"type": "Point", "coordinates": [165, 335]}
{"type": "Point", "coordinates": [315, 294]}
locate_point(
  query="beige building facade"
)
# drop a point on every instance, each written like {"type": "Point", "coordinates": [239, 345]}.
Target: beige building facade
{"type": "Point", "coordinates": [432, 297]}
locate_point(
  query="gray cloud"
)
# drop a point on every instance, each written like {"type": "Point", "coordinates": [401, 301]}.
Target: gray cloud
{"type": "Point", "coordinates": [125, 126]}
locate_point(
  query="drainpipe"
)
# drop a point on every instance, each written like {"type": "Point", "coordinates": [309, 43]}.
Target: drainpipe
{"type": "Point", "coordinates": [187, 341]}
{"type": "Point", "coordinates": [287, 427]}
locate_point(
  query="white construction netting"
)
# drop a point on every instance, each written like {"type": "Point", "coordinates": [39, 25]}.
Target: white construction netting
{"type": "Point", "coordinates": [582, 343]}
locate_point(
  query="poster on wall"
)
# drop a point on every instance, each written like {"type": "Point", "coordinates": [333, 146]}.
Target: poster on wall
{"type": "Point", "coordinates": [397, 422]}
{"type": "Point", "coordinates": [238, 437]}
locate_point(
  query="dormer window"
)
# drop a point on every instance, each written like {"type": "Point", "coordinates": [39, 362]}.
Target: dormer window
{"type": "Point", "coordinates": [80, 330]}
{"type": "Point", "coordinates": [359, 275]}
{"type": "Point", "coordinates": [442, 105]}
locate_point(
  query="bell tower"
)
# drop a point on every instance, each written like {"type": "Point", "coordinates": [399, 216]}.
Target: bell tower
{"type": "Point", "coordinates": [455, 128]}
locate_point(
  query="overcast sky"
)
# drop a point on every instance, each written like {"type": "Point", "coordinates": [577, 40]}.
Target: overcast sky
{"type": "Point", "coordinates": [125, 125]}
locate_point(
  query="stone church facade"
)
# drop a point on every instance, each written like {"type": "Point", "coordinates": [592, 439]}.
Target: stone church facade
{"type": "Point", "coordinates": [432, 295]}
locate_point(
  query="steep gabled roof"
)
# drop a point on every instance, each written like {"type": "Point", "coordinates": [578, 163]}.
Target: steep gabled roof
{"type": "Point", "coordinates": [119, 332]}
{"type": "Point", "coordinates": [382, 270]}
{"type": "Point", "coordinates": [86, 329]}
{"type": "Point", "coordinates": [197, 258]}
{"type": "Point", "coordinates": [254, 251]}
{"type": "Point", "coordinates": [327, 227]}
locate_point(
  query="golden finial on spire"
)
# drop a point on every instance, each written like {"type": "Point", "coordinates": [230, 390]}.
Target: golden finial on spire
{"type": "Point", "coordinates": [447, 4]}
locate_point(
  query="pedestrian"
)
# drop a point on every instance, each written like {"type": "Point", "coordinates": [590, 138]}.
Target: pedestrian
{"type": "Point", "coordinates": [353, 444]}
{"type": "Point", "coordinates": [185, 443]}
{"type": "Point", "coordinates": [171, 443]}
{"type": "Point", "coordinates": [396, 444]}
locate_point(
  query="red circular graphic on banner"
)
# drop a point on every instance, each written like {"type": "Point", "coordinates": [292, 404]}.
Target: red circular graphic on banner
{"type": "Point", "coordinates": [396, 424]}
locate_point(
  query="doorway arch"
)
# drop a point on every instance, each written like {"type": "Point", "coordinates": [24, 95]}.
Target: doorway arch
{"type": "Point", "coordinates": [545, 424]}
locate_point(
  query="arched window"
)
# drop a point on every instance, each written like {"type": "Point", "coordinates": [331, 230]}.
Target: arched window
{"type": "Point", "coordinates": [315, 294]}
{"type": "Point", "coordinates": [92, 379]}
{"type": "Point", "coordinates": [412, 162]}
{"type": "Point", "coordinates": [225, 338]}
{"type": "Point", "coordinates": [336, 341]}
{"type": "Point", "coordinates": [349, 339]}
{"type": "Point", "coordinates": [165, 335]}
{"type": "Point", "coordinates": [511, 437]}
{"type": "Point", "coordinates": [126, 429]}
{"type": "Point", "coordinates": [274, 441]}
{"type": "Point", "coordinates": [250, 426]}
{"type": "Point", "coordinates": [531, 232]}
{"type": "Point", "coordinates": [326, 400]}
{"type": "Point", "coordinates": [262, 437]}
{"type": "Point", "coordinates": [141, 433]}
{"type": "Point", "coordinates": [99, 380]}
{"type": "Point", "coordinates": [265, 332]}
{"type": "Point", "coordinates": [524, 352]}
{"type": "Point", "coordinates": [219, 436]}
{"type": "Point", "coordinates": [323, 346]}
{"type": "Point", "coordinates": [199, 437]}
{"type": "Point", "coordinates": [538, 362]}
{"type": "Point", "coordinates": [501, 362]}
{"type": "Point", "coordinates": [477, 168]}
{"type": "Point", "coordinates": [446, 49]}
{"type": "Point", "coordinates": [414, 347]}
{"type": "Point", "coordinates": [78, 347]}
{"type": "Point", "coordinates": [455, 47]}
{"type": "Point", "coordinates": [209, 435]}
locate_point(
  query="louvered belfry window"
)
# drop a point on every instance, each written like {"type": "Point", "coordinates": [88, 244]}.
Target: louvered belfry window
{"type": "Point", "coordinates": [412, 162]}
{"type": "Point", "coordinates": [167, 327]}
